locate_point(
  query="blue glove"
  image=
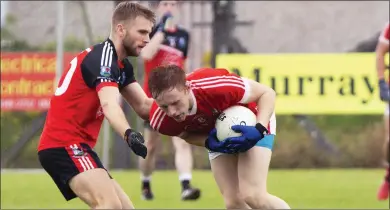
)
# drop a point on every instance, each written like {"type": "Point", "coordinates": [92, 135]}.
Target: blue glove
{"type": "Point", "coordinates": [162, 25]}
{"type": "Point", "coordinates": [384, 91]}
{"type": "Point", "coordinates": [228, 146]}
{"type": "Point", "coordinates": [250, 135]}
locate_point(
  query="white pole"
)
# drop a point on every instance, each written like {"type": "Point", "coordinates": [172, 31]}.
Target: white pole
{"type": "Point", "coordinates": [106, 144]}
{"type": "Point", "coordinates": [4, 12]}
{"type": "Point", "coordinates": [60, 40]}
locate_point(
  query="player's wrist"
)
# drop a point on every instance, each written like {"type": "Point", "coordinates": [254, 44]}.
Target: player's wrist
{"type": "Point", "coordinates": [127, 134]}
{"type": "Point", "coordinates": [261, 128]}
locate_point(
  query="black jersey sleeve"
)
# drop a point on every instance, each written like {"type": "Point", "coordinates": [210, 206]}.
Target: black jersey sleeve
{"type": "Point", "coordinates": [127, 76]}
{"type": "Point", "coordinates": [100, 66]}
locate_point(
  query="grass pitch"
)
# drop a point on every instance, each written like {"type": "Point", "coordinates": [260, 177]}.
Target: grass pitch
{"type": "Point", "coordinates": [351, 188]}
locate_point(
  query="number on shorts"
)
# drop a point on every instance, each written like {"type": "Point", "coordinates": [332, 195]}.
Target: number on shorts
{"type": "Point", "coordinates": [65, 84]}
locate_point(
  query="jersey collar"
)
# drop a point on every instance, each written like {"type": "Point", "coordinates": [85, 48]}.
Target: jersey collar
{"type": "Point", "coordinates": [195, 106]}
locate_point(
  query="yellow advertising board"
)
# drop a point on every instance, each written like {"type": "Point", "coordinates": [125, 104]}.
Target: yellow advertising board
{"type": "Point", "coordinates": [313, 83]}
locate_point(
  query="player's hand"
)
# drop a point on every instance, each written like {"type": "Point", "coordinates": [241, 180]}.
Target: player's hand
{"type": "Point", "coordinates": [227, 146]}
{"type": "Point", "coordinates": [166, 23]}
{"type": "Point", "coordinates": [384, 91]}
{"type": "Point", "coordinates": [135, 140]}
{"type": "Point", "coordinates": [250, 135]}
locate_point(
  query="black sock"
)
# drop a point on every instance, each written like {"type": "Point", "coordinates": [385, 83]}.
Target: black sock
{"type": "Point", "coordinates": [185, 184]}
{"type": "Point", "coordinates": [146, 185]}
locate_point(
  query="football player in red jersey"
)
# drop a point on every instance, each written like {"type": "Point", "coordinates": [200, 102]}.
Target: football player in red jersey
{"type": "Point", "coordinates": [189, 106]}
{"type": "Point", "coordinates": [169, 45]}
{"type": "Point", "coordinates": [87, 92]}
{"type": "Point", "coordinates": [381, 51]}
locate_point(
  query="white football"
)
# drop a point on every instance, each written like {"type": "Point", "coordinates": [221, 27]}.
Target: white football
{"type": "Point", "coordinates": [235, 115]}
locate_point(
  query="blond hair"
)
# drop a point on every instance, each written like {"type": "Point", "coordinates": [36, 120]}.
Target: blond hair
{"type": "Point", "coordinates": [128, 10]}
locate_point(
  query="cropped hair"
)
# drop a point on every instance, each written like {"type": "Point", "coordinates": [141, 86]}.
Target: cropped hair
{"type": "Point", "coordinates": [166, 77]}
{"type": "Point", "coordinates": [127, 10]}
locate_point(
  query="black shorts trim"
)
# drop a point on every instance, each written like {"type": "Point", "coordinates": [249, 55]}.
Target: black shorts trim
{"type": "Point", "coordinates": [63, 163]}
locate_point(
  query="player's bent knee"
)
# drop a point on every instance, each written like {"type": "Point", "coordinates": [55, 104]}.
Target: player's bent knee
{"type": "Point", "coordinates": [109, 203]}
{"type": "Point", "coordinates": [104, 200]}
{"type": "Point", "coordinates": [234, 204]}
{"type": "Point", "coordinates": [95, 188]}
{"type": "Point", "coordinates": [256, 200]}
{"type": "Point", "coordinates": [267, 142]}
{"type": "Point", "coordinates": [124, 199]}
{"type": "Point", "coordinates": [234, 201]}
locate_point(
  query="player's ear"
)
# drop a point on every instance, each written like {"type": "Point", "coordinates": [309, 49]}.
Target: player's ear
{"type": "Point", "coordinates": [120, 29]}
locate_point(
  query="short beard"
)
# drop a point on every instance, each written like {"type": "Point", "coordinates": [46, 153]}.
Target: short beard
{"type": "Point", "coordinates": [128, 49]}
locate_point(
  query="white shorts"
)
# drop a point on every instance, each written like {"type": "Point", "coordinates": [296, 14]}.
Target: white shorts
{"type": "Point", "coordinates": [387, 110]}
{"type": "Point", "coordinates": [272, 130]}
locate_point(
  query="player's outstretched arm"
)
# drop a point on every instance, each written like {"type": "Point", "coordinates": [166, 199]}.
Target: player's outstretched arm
{"type": "Point", "coordinates": [265, 98]}
{"type": "Point", "coordinates": [150, 50]}
{"type": "Point", "coordinates": [109, 96]}
{"type": "Point", "coordinates": [137, 99]}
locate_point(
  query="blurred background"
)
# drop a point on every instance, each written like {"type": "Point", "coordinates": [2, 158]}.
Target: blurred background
{"type": "Point", "coordinates": [263, 40]}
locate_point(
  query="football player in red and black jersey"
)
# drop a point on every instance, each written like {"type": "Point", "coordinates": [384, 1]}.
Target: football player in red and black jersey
{"type": "Point", "coordinates": [87, 92]}
{"type": "Point", "coordinates": [169, 45]}
{"type": "Point", "coordinates": [382, 50]}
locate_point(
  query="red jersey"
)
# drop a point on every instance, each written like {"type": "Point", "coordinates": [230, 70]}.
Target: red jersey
{"type": "Point", "coordinates": [173, 50]}
{"type": "Point", "coordinates": [75, 114]}
{"type": "Point", "coordinates": [385, 35]}
{"type": "Point", "coordinates": [213, 90]}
